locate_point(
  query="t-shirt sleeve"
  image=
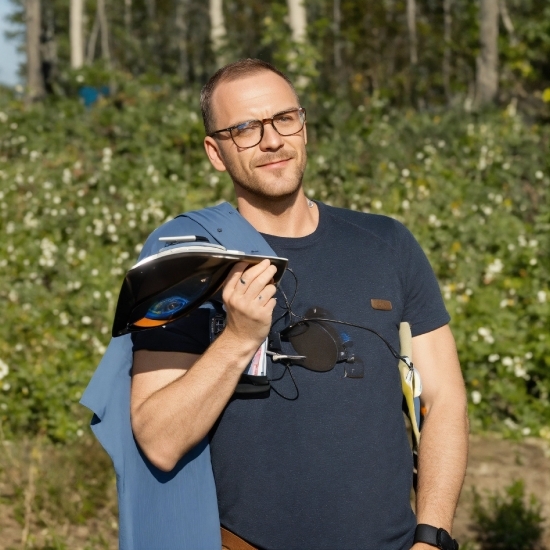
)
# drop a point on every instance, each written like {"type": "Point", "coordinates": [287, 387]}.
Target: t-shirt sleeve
{"type": "Point", "coordinates": [189, 334]}
{"type": "Point", "coordinates": [424, 308]}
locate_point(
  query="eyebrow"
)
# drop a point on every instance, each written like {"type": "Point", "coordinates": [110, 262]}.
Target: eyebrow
{"type": "Point", "coordinates": [254, 119]}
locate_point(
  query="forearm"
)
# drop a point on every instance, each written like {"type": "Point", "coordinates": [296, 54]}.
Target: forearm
{"type": "Point", "coordinates": [442, 460]}
{"type": "Point", "coordinates": [173, 419]}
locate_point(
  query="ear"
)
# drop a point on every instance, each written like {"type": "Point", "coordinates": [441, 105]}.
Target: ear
{"type": "Point", "coordinates": [213, 152]}
{"type": "Point", "coordinates": [305, 132]}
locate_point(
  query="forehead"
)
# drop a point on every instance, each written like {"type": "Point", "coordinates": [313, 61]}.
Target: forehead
{"type": "Point", "coordinates": [256, 96]}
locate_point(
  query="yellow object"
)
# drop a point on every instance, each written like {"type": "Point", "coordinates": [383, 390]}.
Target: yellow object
{"type": "Point", "coordinates": [408, 379]}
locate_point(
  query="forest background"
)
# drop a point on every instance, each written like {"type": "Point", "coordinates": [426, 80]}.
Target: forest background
{"type": "Point", "coordinates": [434, 112]}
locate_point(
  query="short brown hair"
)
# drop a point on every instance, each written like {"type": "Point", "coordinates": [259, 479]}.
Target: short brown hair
{"type": "Point", "coordinates": [233, 71]}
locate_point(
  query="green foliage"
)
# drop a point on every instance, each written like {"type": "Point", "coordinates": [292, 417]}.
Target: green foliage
{"type": "Point", "coordinates": [80, 190]}
{"type": "Point", "coordinates": [508, 521]}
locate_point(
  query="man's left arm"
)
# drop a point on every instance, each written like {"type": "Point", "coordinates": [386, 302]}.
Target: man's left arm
{"type": "Point", "coordinates": [443, 450]}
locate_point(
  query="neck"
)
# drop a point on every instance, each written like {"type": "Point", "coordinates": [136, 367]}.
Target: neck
{"type": "Point", "coordinates": [293, 216]}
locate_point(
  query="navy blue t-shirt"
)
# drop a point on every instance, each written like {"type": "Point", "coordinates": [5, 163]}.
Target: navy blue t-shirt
{"type": "Point", "coordinates": [322, 461]}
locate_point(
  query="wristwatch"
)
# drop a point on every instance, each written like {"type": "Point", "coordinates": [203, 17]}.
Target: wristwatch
{"type": "Point", "coordinates": [435, 537]}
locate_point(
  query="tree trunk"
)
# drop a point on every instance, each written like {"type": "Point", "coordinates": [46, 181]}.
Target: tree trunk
{"type": "Point", "coordinates": [76, 35]}
{"type": "Point", "coordinates": [507, 22]}
{"type": "Point", "coordinates": [297, 20]}
{"type": "Point", "coordinates": [218, 32]}
{"type": "Point", "coordinates": [48, 49]}
{"type": "Point", "coordinates": [128, 17]}
{"type": "Point", "coordinates": [411, 26]}
{"type": "Point", "coordinates": [182, 14]}
{"type": "Point", "coordinates": [35, 81]}
{"type": "Point", "coordinates": [448, 22]}
{"type": "Point", "coordinates": [92, 41]}
{"type": "Point", "coordinates": [104, 28]}
{"type": "Point", "coordinates": [487, 61]}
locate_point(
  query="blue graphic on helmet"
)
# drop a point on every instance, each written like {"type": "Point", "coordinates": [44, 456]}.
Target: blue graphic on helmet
{"type": "Point", "coordinates": [166, 308]}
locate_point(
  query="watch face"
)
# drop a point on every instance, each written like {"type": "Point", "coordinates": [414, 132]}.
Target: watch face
{"type": "Point", "coordinates": [444, 540]}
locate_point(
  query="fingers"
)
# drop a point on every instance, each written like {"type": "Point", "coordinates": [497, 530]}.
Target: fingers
{"type": "Point", "coordinates": [246, 279]}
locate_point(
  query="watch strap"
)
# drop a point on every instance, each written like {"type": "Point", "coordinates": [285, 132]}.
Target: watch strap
{"type": "Point", "coordinates": [434, 536]}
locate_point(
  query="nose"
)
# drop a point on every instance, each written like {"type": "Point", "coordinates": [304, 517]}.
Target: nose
{"type": "Point", "coordinates": [271, 140]}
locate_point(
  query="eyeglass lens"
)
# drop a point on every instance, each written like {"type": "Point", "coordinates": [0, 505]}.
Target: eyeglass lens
{"type": "Point", "coordinates": [250, 133]}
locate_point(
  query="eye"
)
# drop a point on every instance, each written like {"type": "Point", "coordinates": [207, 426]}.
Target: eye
{"type": "Point", "coordinates": [246, 127]}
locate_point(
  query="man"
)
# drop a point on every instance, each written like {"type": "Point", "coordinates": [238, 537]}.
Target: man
{"type": "Point", "coordinates": [321, 461]}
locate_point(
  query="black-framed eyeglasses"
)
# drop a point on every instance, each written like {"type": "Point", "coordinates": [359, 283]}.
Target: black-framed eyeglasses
{"type": "Point", "coordinates": [250, 133]}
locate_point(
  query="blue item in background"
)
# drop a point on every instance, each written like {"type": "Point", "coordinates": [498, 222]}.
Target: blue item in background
{"type": "Point", "coordinates": [91, 95]}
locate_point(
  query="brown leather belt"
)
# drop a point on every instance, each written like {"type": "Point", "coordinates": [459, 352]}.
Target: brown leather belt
{"type": "Point", "coordinates": [230, 541]}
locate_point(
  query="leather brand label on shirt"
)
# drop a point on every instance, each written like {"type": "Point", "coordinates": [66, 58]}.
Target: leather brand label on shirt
{"type": "Point", "coordinates": [384, 305]}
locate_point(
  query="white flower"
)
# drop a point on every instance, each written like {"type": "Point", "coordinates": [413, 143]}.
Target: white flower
{"type": "Point", "coordinates": [526, 431]}
{"type": "Point", "coordinates": [4, 369]}
{"type": "Point", "coordinates": [519, 370]}
{"type": "Point", "coordinates": [405, 204]}
{"type": "Point", "coordinates": [507, 361]}
{"type": "Point", "coordinates": [150, 170]}
{"type": "Point", "coordinates": [486, 334]}
{"type": "Point", "coordinates": [539, 175]}
{"type": "Point", "coordinates": [494, 268]}
{"type": "Point", "coordinates": [476, 397]}
{"type": "Point", "coordinates": [6, 386]}
{"type": "Point", "coordinates": [66, 176]}
{"type": "Point", "coordinates": [533, 261]}
{"type": "Point", "coordinates": [511, 424]}
{"type": "Point", "coordinates": [405, 173]}
{"type": "Point", "coordinates": [81, 211]}
{"type": "Point", "coordinates": [541, 296]}
{"type": "Point", "coordinates": [493, 357]}
{"type": "Point", "coordinates": [86, 320]}
{"type": "Point", "coordinates": [377, 204]}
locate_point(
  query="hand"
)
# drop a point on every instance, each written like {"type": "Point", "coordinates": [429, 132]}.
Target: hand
{"type": "Point", "coordinates": [248, 298]}
{"type": "Point", "coordinates": [422, 546]}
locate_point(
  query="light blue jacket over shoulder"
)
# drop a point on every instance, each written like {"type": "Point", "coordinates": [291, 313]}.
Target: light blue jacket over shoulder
{"type": "Point", "coordinates": [159, 510]}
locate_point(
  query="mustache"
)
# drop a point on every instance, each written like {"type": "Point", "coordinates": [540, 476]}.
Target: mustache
{"type": "Point", "coordinates": [273, 157]}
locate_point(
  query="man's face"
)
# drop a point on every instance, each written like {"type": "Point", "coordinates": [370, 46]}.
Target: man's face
{"type": "Point", "coordinates": [273, 169]}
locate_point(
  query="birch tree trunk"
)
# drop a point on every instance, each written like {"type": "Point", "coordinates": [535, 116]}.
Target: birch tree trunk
{"type": "Point", "coordinates": [487, 61]}
{"type": "Point", "coordinates": [104, 29]}
{"type": "Point", "coordinates": [218, 31]}
{"type": "Point", "coordinates": [76, 36]}
{"type": "Point", "coordinates": [297, 20]}
{"type": "Point", "coordinates": [411, 26]}
{"type": "Point", "coordinates": [35, 80]}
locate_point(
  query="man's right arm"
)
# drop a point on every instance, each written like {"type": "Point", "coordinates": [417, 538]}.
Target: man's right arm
{"type": "Point", "coordinates": [177, 397]}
